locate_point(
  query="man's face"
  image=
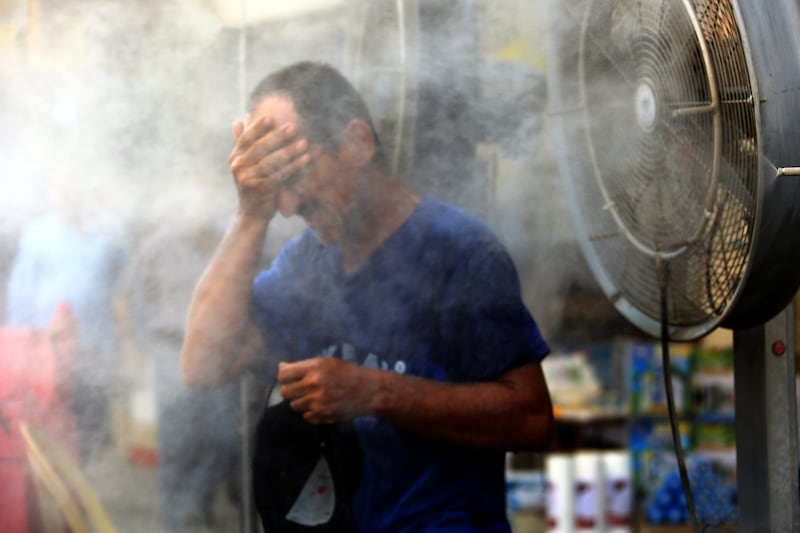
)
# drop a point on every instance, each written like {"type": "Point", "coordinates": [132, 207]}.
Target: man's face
{"type": "Point", "coordinates": [323, 194]}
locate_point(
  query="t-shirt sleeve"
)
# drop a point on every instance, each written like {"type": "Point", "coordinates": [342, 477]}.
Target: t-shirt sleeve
{"type": "Point", "coordinates": [276, 308]}
{"type": "Point", "coordinates": [270, 295]}
{"type": "Point", "coordinates": [489, 328]}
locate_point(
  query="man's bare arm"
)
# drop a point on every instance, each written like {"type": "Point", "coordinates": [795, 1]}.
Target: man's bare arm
{"type": "Point", "coordinates": [220, 338]}
{"type": "Point", "coordinates": [513, 412]}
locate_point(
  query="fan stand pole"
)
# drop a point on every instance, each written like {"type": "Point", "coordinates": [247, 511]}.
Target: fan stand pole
{"type": "Point", "coordinates": [766, 426]}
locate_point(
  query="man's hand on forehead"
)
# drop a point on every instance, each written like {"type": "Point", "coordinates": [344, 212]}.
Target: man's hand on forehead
{"type": "Point", "coordinates": [267, 148]}
{"type": "Point", "coordinates": [265, 130]}
{"type": "Point", "coordinates": [264, 157]}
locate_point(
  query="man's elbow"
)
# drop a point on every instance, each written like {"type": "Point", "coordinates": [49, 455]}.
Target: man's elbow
{"type": "Point", "coordinates": [189, 377]}
{"type": "Point", "coordinates": [546, 430]}
{"type": "Point", "coordinates": [535, 420]}
{"type": "Point", "coordinates": [191, 373]}
{"type": "Point", "coordinates": [537, 430]}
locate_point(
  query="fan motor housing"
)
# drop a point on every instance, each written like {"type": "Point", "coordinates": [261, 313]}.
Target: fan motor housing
{"type": "Point", "coordinates": [775, 51]}
{"type": "Point", "coordinates": [670, 120]}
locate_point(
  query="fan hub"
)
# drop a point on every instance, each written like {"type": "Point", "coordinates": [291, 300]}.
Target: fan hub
{"type": "Point", "coordinates": [645, 104]}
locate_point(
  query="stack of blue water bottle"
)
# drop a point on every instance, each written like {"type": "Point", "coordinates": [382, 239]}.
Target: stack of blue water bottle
{"type": "Point", "coordinates": [714, 496]}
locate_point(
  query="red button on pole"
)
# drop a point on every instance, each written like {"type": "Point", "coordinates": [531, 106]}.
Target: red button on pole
{"type": "Point", "coordinates": [778, 348]}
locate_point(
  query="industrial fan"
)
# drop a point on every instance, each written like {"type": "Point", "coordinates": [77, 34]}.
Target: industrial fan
{"type": "Point", "coordinates": [676, 125]}
{"type": "Point", "coordinates": [672, 139]}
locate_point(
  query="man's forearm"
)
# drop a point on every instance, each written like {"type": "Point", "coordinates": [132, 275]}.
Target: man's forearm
{"type": "Point", "coordinates": [218, 316]}
{"type": "Point", "coordinates": [513, 413]}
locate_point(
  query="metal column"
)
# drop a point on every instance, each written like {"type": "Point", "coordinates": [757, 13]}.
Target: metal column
{"type": "Point", "coordinates": [766, 426]}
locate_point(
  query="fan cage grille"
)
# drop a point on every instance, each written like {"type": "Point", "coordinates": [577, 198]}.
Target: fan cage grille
{"type": "Point", "coordinates": [667, 115]}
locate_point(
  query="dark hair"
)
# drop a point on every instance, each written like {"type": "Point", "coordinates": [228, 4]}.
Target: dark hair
{"type": "Point", "coordinates": [324, 99]}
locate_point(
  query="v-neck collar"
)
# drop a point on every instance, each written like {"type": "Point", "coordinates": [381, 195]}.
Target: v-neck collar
{"type": "Point", "coordinates": [375, 258]}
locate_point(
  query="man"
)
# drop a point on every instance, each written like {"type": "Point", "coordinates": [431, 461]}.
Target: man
{"type": "Point", "coordinates": [396, 311]}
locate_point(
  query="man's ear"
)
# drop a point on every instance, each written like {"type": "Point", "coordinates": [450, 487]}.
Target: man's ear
{"type": "Point", "coordinates": [358, 143]}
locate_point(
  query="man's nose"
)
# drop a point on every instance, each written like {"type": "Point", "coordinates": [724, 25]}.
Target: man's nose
{"type": "Point", "coordinates": [288, 201]}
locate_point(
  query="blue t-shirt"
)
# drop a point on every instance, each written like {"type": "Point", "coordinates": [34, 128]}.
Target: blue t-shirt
{"type": "Point", "coordinates": [439, 299]}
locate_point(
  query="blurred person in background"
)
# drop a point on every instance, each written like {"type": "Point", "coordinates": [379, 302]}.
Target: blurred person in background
{"type": "Point", "coordinates": [71, 256]}
{"type": "Point", "coordinates": [198, 434]}
{"type": "Point", "coordinates": [394, 310]}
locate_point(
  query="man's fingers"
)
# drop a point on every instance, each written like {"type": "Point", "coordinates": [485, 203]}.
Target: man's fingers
{"type": "Point", "coordinates": [299, 404]}
{"type": "Point", "coordinates": [276, 161]}
{"type": "Point", "coordinates": [277, 167]}
{"type": "Point", "coordinates": [288, 170]}
{"type": "Point", "coordinates": [309, 414]}
{"type": "Point", "coordinates": [258, 139]}
{"type": "Point", "coordinates": [283, 139]}
{"type": "Point", "coordinates": [254, 131]}
{"type": "Point", "coordinates": [291, 372]}
{"type": "Point", "coordinates": [292, 390]}
{"type": "Point", "coordinates": [313, 418]}
{"type": "Point", "coordinates": [263, 138]}
{"type": "Point", "coordinates": [238, 128]}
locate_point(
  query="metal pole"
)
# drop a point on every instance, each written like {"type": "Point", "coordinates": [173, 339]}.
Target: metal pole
{"type": "Point", "coordinates": [766, 426]}
{"type": "Point", "coordinates": [247, 524]}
